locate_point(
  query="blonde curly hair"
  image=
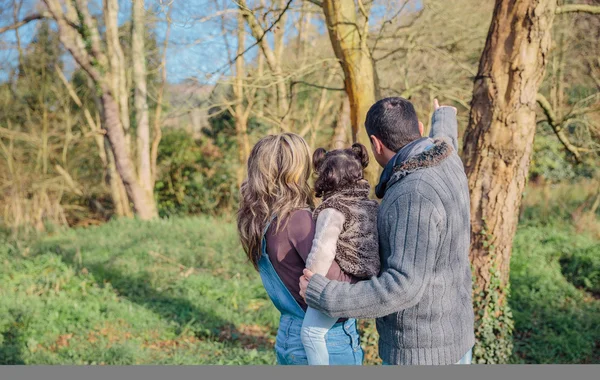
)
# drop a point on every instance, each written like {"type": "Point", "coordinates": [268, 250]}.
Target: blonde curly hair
{"type": "Point", "coordinates": [279, 168]}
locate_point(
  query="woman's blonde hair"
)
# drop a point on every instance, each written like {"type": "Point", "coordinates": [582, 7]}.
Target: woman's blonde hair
{"type": "Point", "coordinates": [277, 183]}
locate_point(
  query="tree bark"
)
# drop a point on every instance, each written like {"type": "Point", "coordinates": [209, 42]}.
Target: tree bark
{"type": "Point", "coordinates": [117, 63]}
{"type": "Point", "coordinates": [349, 41]}
{"type": "Point", "coordinates": [159, 101]}
{"type": "Point", "coordinates": [499, 138]}
{"type": "Point", "coordinates": [279, 34]}
{"type": "Point", "coordinates": [143, 202]}
{"type": "Point", "coordinates": [340, 139]}
{"type": "Point", "coordinates": [241, 117]}
{"type": "Point", "coordinates": [138, 58]}
{"type": "Point", "coordinates": [117, 189]}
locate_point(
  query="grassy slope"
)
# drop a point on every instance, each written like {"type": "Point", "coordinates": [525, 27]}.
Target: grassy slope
{"type": "Point", "coordinates": [180, 292]}
{"type": "Point", "coordinates": [123, 293]}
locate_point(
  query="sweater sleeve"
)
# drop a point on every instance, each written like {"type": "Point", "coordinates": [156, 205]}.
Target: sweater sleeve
{"type": "Point", "coordinates": [444, 124]}
{"type": "Point", "coordinates": [329, 226]}
{"type": "Point", "coordinates": [414, 229]}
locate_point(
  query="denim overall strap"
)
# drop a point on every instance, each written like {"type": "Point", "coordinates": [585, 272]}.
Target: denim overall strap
{"type": "Point", "coordinates": [278, 293]}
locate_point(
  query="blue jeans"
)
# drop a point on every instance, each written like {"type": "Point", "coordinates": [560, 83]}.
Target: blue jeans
{"type": "Point", "coordinates": [343, 343]}
{"type": "Point", "coordinates": [466, 359]}
{"type": "Point", "coordinates": [314, 328]}
{"type": "Point", "coordinates": [342, 340]}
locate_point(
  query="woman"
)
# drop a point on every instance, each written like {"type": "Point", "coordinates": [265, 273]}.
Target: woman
{"type": "Point", "coordinates": [276, 229]}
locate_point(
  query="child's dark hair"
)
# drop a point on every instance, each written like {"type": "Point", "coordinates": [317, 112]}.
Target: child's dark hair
{"type": "Point", "coordinates": [339, 168]}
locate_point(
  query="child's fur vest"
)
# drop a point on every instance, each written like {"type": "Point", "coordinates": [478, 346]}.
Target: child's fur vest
{"type": "Point", "coordinates": [358, 244]}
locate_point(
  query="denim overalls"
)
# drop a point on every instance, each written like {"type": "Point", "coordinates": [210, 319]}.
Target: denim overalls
{"type": "Point", "coordinates": [342, 340]}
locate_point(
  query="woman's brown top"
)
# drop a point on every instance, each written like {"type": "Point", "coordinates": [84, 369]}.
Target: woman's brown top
{"type": "Point", "coordinates": [289, 247]}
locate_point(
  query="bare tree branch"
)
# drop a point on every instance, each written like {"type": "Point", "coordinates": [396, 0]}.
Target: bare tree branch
{"type": "Point", "coordinates": [581, 8]}
{"type": "Point", "coordinates": [316, 2]}
{"type": "Point", "coordinates": [316, 86]}
{"type": "Point", "coordinates": [258, 40]}
{"type": "Point", "coordinates": [26, 20]}
{"type": "Point", "coordinates": [557, 127]}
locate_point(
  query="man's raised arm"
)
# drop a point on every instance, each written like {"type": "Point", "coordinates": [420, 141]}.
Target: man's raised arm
{"type": "Point", "coordinates": [444, 123]}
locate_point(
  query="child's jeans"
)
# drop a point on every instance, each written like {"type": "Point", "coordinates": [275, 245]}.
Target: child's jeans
{"type": "Point", "coordinates": [314, 328]}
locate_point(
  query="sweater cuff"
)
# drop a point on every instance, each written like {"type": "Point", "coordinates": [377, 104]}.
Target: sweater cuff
{"type": "Point", "coordinates": [442, 112]}
{"type": "Point", "coordinates": [316, 286]}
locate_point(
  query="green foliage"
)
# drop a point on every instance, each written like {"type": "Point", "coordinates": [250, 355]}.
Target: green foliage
{"type": "Point", "coordinates": [36, 81]}
{"type": "Point", "coordinates": [195, 176]}
{"type": "Point", "coordinates": [369, 339]}
{"type": "Point", "coordinates": [493, 320]}
{"type": "Point", "coordinates": [551, 162]}
{"type": "Point", "coordinates": [554, 321]}
{"type": "Point", "coordinates": [549, 159]}
{"type": "Point", "coordinates": [494, 325]}
{"type": "Point", "coordinates": [581, 267]}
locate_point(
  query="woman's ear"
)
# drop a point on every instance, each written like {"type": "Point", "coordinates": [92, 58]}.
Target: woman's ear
{"type": "Point", "coordinates": [361, 151]}
{"type": "Point", "coordinates": [318, 158]}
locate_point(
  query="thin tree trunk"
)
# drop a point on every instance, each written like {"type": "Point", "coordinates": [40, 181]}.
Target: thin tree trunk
{"type": "Point", "coordinates": [340, 138]}
{"type": "Point", "coordinates": [355, 58]}
{"type": "Point", "coordinates": [241, 119]}
{"type": "Point", "coordinates": [303, 30]}
{"type": "Point", "coordinates": [260, 92]}
{"type": "Point", "coordinates": [499, 139]}
{"type": "Point", "coordinates": [142, 201]}
{"type": "Point", "coordinates": [117, 189]}
{"type": "Point", "coordinates": [117, 66]}
{"type": "Point", "coordinates": [271, 58]}
{"type": "Point", "coordinates": [159, 102]}
{"type": "Point", "coordinates": [138, 57]}
{"type": "Point", "coordinates": [279, 34]}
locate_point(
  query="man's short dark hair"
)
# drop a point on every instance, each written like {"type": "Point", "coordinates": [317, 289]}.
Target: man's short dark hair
{"type": "Point", "coordinates": [394, 122]}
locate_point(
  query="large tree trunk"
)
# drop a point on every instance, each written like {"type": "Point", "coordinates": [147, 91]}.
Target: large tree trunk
{"type": "Point", "coordinates": [497, 151]}
{"type": "Point", "coordinates": [140, 97]}
{"type": "Point", "coordinates": [354, 56]}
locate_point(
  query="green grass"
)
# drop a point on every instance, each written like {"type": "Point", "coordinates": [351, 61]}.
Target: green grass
{"type": "Point", "coordinates": [127, 293]}
{"type": "Point", "coordinates": [555, 320]}
{"type": "Point", "coordinates": [180, 291]}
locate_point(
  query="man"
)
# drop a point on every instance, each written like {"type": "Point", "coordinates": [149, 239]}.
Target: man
{"type": "Point", "coordinates": [422, 297]}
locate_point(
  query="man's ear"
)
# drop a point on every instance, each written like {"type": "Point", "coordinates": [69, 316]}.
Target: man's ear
{"type": "Point", "coordinates": [376, 144]}
{"type": "Point", "coordinates": [421, 128]}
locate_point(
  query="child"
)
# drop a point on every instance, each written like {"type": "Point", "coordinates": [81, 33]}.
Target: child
{"type": "Point", "coordinates": [346, 230]}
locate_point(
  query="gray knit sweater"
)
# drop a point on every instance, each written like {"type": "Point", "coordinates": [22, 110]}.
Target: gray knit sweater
{"type": "Point", "coordinates": [422, 297]}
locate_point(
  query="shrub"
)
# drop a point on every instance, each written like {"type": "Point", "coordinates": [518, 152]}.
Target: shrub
{"type": "Point", "coordinates": [195, 176]}
{"type": "Point", "coordinates": [582, 268]}
{"type": "Point", "coordinates": [554, 321]}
